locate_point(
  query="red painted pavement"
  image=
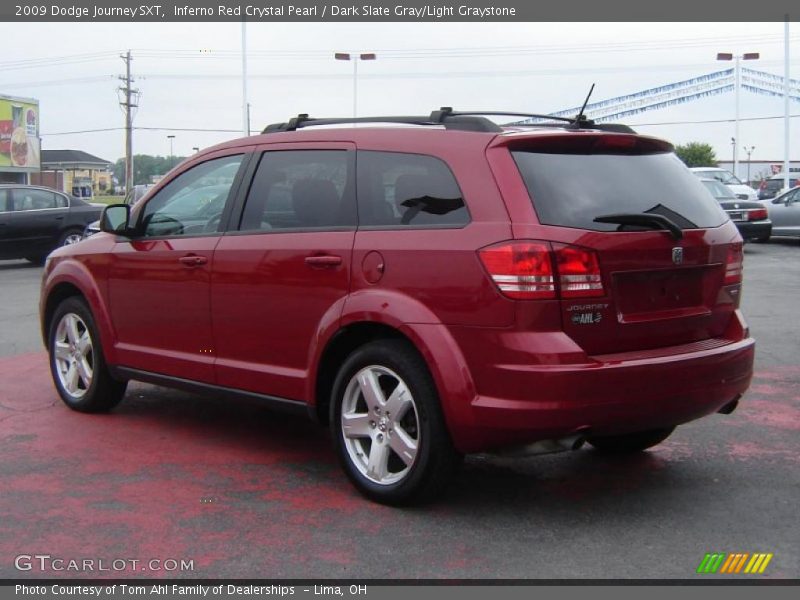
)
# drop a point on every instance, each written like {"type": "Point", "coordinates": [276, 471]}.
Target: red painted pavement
{"type": "Point", "coordinates": [245, 492]}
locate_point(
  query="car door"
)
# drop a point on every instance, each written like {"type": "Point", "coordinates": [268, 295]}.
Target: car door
{"type": "Point", "coordinates": [158, 283]}
{"type": "Point", "coordinates": [286, 270]}
{"type": "Point", "coordinates": [34, 224]}
{"type": "Point", "coordinates": [785, 214]}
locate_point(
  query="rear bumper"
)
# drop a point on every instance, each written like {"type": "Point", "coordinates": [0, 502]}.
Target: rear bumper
{"type": "Point", "coordinates": [754, 230]}
{"type": "Point", "coordinates": [611, 394]}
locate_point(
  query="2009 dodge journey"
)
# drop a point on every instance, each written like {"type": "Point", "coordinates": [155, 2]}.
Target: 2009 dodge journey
{"type": "Point", "coordinates": [427, 286]}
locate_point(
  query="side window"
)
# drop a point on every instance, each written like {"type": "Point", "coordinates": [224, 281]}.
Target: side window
{"type": "Point", "coordinates": [5, 204]}
{"type": "Point", "coordinates": [301, 189]}
{"type": "Point", "coordinates": [25, 199]}
{"type": "Point", "coordinates": [407, 190]}
{"type": "Point", "coordinates": [193, 202]}
{"type": "Point", "coordinates": [61, 201]}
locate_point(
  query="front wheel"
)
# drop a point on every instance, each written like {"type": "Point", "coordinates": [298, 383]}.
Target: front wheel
{"type": "Point", "coordinates": [77, 364]}
{"type": "Point", "coordinates": [388, 427]}
{"type": "Point", "coordinates": [630, 442]}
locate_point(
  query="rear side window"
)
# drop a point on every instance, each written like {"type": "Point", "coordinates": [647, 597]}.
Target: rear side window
{"type": "Point", "coordinates": [5, 204]}
{"type": "Point", "coordinates": [32, 199]}
{"type": "Point", "coordinates": [571, 190]}
{"type": "Point", "coordinates": [301, 189]}
{"type": "Point", "coordinates": [399, 190]}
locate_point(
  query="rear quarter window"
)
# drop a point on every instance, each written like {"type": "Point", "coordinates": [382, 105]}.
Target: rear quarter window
{"type": "Point", "coordinates": [571, 190]}
{"type": "Point", "coordinates": [398, 190]}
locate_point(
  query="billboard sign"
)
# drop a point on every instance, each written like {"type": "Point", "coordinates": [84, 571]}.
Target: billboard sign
{"type": "Point", "coordinates": [19, 134]}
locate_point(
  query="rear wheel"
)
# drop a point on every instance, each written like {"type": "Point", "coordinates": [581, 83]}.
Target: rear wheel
{"type": "Point", "coordinates": [37, 260]}
{"type": "Point", "coordinates": [77, 364]}
{"type": "Point", "coordinates": [762, 240]}
{"type": "Point", "coordinates": [388, 428]}
{"type": "Point", "coordinates": [630, 442]}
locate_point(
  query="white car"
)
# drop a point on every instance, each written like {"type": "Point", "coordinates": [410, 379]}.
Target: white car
{"type": "Point", "coordinates": [740, 190]}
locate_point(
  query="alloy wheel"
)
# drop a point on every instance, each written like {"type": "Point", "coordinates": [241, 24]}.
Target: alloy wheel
{"type": "Point", "coordinates": [380, 425]}
{"type": "Point", "coordinates": [73, 355]}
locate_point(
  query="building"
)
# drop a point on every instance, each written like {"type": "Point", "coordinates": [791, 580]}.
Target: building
{"type": "Point", "coordinates": [19, 139]}
{"type": "Point", "coordinates": [75, 172]}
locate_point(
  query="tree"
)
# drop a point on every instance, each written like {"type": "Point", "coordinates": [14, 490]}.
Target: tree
{"type": "Point", "coordinates": [145, 167]}
{"type": "Point", "coordinates": [697, 154]}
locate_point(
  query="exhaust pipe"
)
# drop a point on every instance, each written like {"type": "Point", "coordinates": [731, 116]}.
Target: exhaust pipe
{"type": "Point", "coordinates": [571, 442]}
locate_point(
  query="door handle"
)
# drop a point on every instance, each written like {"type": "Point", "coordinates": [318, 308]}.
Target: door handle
{"type": "Point", "coordinates": [326, 260]}
{"type": "Point", "coordinates": [193, 260]}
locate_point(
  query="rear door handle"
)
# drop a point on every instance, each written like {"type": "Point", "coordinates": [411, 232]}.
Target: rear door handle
{"type": "Point", "coordinates": [326, 260]}
{"type": "Point", "coordinates": [193, 260]}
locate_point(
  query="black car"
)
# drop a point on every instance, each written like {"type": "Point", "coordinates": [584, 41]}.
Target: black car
{"type": "Point", "coordinates": [35, 220]}
{"type": "Point", "coordinates": [750, 217]}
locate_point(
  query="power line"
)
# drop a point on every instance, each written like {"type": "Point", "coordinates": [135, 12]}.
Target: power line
{"type": "Point", "coordinates": [710, 121]}
{"type": "Point", "coordinates": [237, 130]}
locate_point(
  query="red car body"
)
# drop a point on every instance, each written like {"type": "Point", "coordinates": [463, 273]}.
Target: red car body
{"type": "Point", "coordinates": [657, 344]}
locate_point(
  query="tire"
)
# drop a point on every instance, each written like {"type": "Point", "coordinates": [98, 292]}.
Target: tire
{"type": "Point", "coordinates": [630, 442]}
{"type": "Point", "coordinates": [77, 364]}
{"type": "Point", "coordinates": [37, 260]}
{"type": "Point", "coordinates": [391, 460]}
{"type": "Point", "coordinates": [69, 237]}
{"type": "Point", "coordinates": [762, 240]}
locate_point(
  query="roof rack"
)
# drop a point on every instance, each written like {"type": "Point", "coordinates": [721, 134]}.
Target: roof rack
{"type": "Point", "coordinates": [450, 119]}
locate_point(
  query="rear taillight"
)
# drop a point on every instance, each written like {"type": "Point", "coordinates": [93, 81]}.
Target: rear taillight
{"type": "Point", "coordinates": [578, 272]}
{"type": "Point", "coordinates": [525, 270]}
{"type": "Point", "coordinates": [763, 185]}
{"type": "Point", "coordinates": [757, 214]}
{"type": "Point", "coordinates": [734, 264]}
{"type": "Point", "coordinates": [521, 270]}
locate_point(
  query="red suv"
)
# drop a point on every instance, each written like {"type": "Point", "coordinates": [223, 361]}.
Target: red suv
{"type": "Point", "coordinates": [428, 290]}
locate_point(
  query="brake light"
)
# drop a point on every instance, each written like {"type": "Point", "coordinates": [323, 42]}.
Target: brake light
{"type": "Point", "coordinates": [578, 272]}
{"type": "Point", "coordinates": [521, 270]}
{"type": "Point", "coordinates": [734, 264]}
{"type": "Point", "coordinates": [757, 214]}
{"type": "Point", "coordinates": [525, 270]}
{"type": "Point", "coordinates": [763, 185]}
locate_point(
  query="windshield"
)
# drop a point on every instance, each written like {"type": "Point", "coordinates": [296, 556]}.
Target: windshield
{"type": "Point", "coordinates": [573, 189]}
{"type": "Point", "coordinates": [725, 177]}
{"type": "Point", "coordinates": [719, 191]}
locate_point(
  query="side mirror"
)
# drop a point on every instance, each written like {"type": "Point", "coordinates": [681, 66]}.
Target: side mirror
{"type": "Point", "coordinates": [116, 219]}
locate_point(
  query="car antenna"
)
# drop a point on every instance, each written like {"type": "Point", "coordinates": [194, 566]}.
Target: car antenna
{"type": "Point", "coordinates": [580, 119]}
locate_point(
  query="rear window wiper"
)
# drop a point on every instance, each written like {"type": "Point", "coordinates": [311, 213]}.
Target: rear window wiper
{"type": "Point", "coordinates": [643, 219]}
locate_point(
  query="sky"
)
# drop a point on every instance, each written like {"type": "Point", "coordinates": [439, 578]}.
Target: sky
{"type": "Point", "coordinates": [189, 75]}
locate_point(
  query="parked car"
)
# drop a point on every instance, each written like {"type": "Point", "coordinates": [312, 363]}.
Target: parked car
{"type": "Point", "coordinates": [469, 288]}
{"type": "Point", "coordinates": [136, 193]}
{"type": "Point", "coordinates": [740, 190]}
{"type": "Point", "coordinates": [784, 210]}
{"type": "Point", "coordinates": [769, 188]}
{"type": "Point", "coordinates": [751, 218]}
{"type": "Point", "coordinates": [35, 220]}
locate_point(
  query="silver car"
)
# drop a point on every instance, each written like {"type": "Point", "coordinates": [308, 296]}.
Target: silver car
{"type": "Point", "coordinates": [784, 212]}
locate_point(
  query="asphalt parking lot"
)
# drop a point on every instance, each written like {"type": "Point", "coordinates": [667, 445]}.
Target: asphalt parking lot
{"type": "Point", "coordinates": [247, 493]}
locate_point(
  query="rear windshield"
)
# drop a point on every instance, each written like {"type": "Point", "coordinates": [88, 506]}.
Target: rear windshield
{"type": "Point", "coordinates": [571, 190]}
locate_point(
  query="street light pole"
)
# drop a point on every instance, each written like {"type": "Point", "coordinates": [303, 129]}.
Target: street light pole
{"type": "Point", "coordinates": [170, 138]}
{"type": "Point", "coordinates": [737, 86]}
{"type": "Point", "coordinates": [355, 58]}
{"type": "Point", "coordinates": [749, 151]}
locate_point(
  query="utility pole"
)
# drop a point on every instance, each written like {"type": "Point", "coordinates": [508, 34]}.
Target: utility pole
{"type": "Point", "coordinates": [129, 101]}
